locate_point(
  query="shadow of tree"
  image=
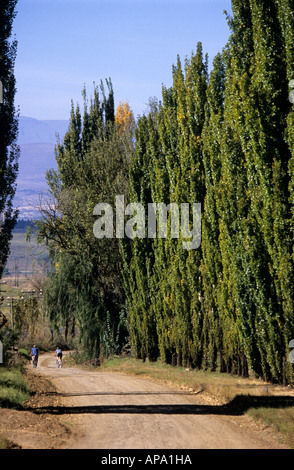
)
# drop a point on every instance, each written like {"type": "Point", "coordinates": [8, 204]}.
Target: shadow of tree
{"type": "Point", "coordinates": [83, 394]}
{"type": "Point", "coordinates": [237, 407]}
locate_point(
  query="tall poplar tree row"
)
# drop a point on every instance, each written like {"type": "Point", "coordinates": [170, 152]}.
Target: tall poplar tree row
{"type": "Point", "coordinates": [247, 240]}
{"type": "Point", "coordinates": [248, 209]}
{"type": "Point", "coordinates": [227, 143]}
{"type": "Point", "coordinates": [9, 150]}
{"type": "Point", "coordinates": [286, 19]}
{"type": "Point", "coordinates": [258, 116]}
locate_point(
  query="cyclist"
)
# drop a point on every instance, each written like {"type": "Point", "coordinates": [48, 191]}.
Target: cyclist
{"type": "Point", "coordinates": [58, 354]}
{"type": "Point", "coordinates": [34, 355]}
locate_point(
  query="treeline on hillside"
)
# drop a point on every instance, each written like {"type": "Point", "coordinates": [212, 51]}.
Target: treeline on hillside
{"type": "Point", "coordinates": [23, 224]}
{"type": "Point", "coordinates": [224, 139]}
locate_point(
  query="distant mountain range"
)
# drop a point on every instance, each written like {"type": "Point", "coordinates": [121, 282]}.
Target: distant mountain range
{"type": "Point", "coordinates": [33, 131]}
{"type": "Point", "coordinates": [37, 140]}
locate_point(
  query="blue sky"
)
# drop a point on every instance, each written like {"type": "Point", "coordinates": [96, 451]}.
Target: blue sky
{"type": "Point", "coordinates": [66, 44]}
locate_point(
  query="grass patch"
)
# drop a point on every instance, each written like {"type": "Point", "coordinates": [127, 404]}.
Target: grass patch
{"type": "Point", "coordinates": [281, 419]}
{"type": "Point", "coordinates": [14, 389]}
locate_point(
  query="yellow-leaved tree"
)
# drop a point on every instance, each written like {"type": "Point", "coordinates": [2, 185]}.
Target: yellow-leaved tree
{"type": "Point", "coordinates": [124, 117]}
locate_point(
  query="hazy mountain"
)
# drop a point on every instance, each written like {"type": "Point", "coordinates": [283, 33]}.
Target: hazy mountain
{"type": "Point", "coordinates": [37, 140]}
{"type": "Point", "coordinates": [34, 131]}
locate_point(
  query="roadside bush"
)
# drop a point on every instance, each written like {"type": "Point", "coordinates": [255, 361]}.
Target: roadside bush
{"type": "Point", "coordinates": [82, 358]}
{"type": "Point", "coordinates": [9, 339]}
{"type": "Point", "coordinates": [24, 353]}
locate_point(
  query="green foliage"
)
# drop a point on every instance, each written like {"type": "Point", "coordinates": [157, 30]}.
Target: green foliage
{"type": "Point", "coordinates": [8, 338]}
{"type": "Point", "coordinates": [161, 279]}
{"type": "Point", "coordinates": [9, 150]}
{"type": "Point", "coordinates": [86, 287]}
{"type": "Point", "coordinates": [14, 389]}
{"type": "Point", "coordinates": [226, 141]}
{"type": "Point", "coordinates": [26, 314]}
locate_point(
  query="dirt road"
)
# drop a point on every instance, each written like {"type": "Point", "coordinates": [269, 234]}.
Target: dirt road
{"type": "Point", "coordinates": [114, 411]}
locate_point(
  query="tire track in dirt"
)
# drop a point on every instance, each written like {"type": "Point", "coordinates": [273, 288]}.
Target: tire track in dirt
{"type": "Point", "coordinates": [114, 411]}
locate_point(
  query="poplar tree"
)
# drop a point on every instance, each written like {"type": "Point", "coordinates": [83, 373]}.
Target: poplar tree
{"type": "Point", "coordinates": [9, 150]}
{"type": "Point", "coordinates": [231, 198]}
{"type": "Point", "coordinates": [165, 292]}
{"type": "Point", "coordinates": [211, 258]}
{"type": "Point", "coordinates": [138, 254]}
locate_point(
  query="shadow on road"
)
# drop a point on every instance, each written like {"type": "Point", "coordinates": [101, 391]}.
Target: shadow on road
{"type": "Point", "coordinates": [238, 406]}
{"type": "Point", "coordinates": [84, 394]}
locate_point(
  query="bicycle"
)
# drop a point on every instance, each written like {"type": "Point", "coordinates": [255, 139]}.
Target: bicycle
{"type": "Point", "coordinates": [59, 362]}
{"type": "Point", "coordinates": [35, 361]}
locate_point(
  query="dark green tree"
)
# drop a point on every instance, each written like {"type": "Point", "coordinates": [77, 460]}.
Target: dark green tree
{"type": "Point", "coordinates": [211, 257]}
{"type": "Point", "coordinates": [161, 277]}
{"type": "Point", "coordinates": [9, 150]}
{"type": "Point", "coordinates": [92, 168]}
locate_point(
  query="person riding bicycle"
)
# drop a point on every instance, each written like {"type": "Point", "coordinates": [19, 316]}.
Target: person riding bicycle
{"type": "Point", "coordinates": [58, 353]}
{"type": "Point", "coordinates": [34, 355]}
